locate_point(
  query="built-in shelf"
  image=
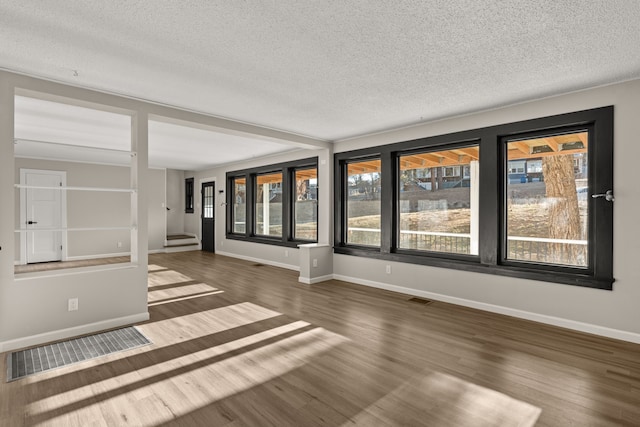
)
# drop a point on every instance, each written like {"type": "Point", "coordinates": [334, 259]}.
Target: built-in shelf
{"type": "Point", "coordinates": [107, 189]}
{"type": "Point", "coordinates": [21, 230]}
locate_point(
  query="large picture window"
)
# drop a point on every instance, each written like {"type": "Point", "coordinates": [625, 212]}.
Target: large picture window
{"type": "Point", "coordinates": [274, 204]}
{"type": "Point", "coordinates": [238, 213]}
{"type": "Point", "coordinates": [527, 199]}
{"type": "Point", "coordinates": [438, 202]}
{"type": "Point", "coordinates": [363, 202]}
{"type": "Point", "coordinates": [268, 204]}
{"type": "Point", "coordinates": [305, 205]}
{"type": "Point", "coordinates": [547, 208]}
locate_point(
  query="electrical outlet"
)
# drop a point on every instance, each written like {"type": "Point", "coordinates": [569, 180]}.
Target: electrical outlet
{"type": "Point", "coordinates": [315, 262]}
{"type": "Point", "coordinates": [286, 253]}
{"type": "Point", "coordinates": [388, 269]}
{"type": "Point", "coordinates": [221, 242]}
{"type": "Point", "coordinates": [119, 244]}
{"type": "Point", "coordinates": [73, 304]}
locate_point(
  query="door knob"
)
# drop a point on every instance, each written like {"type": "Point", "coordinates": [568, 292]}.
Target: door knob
{"type": "Point", "coordinates": [608, 196]}
{"type": "Point", "coordinates": [32, 222]}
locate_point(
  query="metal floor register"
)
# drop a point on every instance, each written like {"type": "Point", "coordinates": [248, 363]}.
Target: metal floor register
{"type": "Point", "coordinates": [39, 359]}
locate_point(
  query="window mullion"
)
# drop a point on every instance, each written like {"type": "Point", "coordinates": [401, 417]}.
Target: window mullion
{"type": "Point", "coordinates": [287, 206]}
{"type": "Point", "coordinates": [251, 205]}
{"type": "Point", "coordinates": [388, 200]}
{"type": "Point", "coordinates": [491, 206]}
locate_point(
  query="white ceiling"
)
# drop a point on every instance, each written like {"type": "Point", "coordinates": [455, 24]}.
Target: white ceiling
{"type": "Point", "coordinates": [50, 130]}
{"type": "Point", "coordinates": [326, 69]}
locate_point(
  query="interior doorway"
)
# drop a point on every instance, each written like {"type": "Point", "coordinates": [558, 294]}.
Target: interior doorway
{"type": "Point", "coordinates": [208, 216]}
{"type": "Point", "coordinates": [43, 215]}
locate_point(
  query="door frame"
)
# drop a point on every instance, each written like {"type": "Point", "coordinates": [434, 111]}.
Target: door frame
{"type": "Point", "coordinates": [199, 209]}
{"type": "Point", "coordinates": [23, 210]}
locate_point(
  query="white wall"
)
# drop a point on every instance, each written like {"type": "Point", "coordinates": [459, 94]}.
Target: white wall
{"type": "Point", "coordinates": [613, 313]}
{"type": "Point", "coordinates": [156, 211]}
{"type": "Point", "coordinates": [99, 209]}
{"type": "Point", "coordinates": [33, 306]}
{"type": "Point", "coordinates": [175, 201]}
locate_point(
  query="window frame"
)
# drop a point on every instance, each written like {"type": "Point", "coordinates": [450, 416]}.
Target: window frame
{"type": "Point", "coordinates": [189, 197]}
{"type": "Point", "coordinates": [294, 195]}
{"type": "Point", "coordinates": [288, 187]}
{"type": "Point", "coordinates": [396, 235]}
{"type": "Point", "coordinates": [492, 187]}
{"type": "Point", "coordinates": [345, 206]}
{"type": "Point", "coordinates": [254, 202]}
{"type": "Point", "coordinates": [230, 203]}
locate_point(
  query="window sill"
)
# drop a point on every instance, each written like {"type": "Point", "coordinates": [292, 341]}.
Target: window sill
{"type": "Point", "coordinates": [268, 241]}
{"type": "Point", "coordinates": [472, 264]}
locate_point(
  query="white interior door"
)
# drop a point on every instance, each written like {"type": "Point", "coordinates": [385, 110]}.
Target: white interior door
{"type": "Point", "coordinates": [43, 212]}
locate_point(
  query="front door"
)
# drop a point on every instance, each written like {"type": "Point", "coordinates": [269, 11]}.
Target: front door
{"type": "Point", "coordinates": [208, 216]}
{"type": "Point", "coordinates": [43, 215]}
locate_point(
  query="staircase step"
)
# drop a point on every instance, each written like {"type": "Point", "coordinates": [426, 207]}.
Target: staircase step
{"type": "Point", "coordinates": [180, 245]}
{"type": "Point", "coordinates": [179, 236]}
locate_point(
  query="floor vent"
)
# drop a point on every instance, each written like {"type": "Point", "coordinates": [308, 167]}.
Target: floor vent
{"type": "Point", "coordinates": [44, 358]}
{"type": "Point", "coordinates": [420, 301]}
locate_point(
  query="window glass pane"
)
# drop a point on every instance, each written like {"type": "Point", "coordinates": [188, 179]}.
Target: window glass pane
{"type": "Point", "coordinates": [239, 205]}
{"type": "Point", "coordinates": [363, 202]}
{"type": "Point", "coordinates": [306, 204]}
{"type": "Point", "coordinates": [188, 190]}
{"type": "Point", "coordinates": [207, 202]}
{"type": "Point", "coordinates": [438, 204]}
{"type": "Point", "coordinates": [269, 204]}
{"type": "Point", "coordinates": [547, 200]}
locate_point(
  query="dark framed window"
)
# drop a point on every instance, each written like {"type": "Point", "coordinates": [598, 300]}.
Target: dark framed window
{"type": "Point", "coordinates": [363, 202]}
{"type": "Point", "coordinates": [188, 195]}
{"type": "Point", "coordinates": [524, 199]}
{"type": "Point", "coordinates": [274, 204]}
{"type": "Point", "coordinates": [237, 215]}
{"type": "Point", "coordinates": [268, 204]}
{"type": "Point", "coordinates": [305, 203]}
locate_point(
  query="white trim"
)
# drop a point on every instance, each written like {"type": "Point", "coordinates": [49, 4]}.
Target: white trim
{"type": "Point", "coordinates": [72, 332]}
{"type": "Point", "coordinates": [312, 280]}
{"type": "Point", "coordinates": [541, 318]}
{"type": "Point", "coordinates": [260, 260]}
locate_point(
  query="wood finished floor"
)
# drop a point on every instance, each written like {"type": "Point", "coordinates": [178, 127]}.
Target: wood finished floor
{"type": "Point", "coordinates": [239, 344]}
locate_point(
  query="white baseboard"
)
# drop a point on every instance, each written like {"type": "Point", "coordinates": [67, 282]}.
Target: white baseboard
{"type": "Point", "coordinates": [541, 318]}
{"type": "Point", "coordinates": [260, 260]}
{"type": "Point", "coordinates": [311, 281]}
{"type": "Point", "coordinates": [72, 332]}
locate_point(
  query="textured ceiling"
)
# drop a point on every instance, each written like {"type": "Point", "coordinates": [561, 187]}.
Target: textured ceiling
{"type": "Point", "coordinates": [326, 69]}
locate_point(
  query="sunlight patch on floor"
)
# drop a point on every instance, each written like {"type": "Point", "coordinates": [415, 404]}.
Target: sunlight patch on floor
{"type": "Point", "coordinates": [161, 294]}
{"type": "Point", "coordinates": [167, 277]}
{"type": "Point", "coordinates": [443, 399]}
{"type": "Point", "coordinates": [183, 298]}
{"type": "Point", "coordinates": [229, 368]}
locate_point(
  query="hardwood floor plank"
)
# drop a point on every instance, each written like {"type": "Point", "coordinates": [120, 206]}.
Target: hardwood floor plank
{"type": "Point", "coordinates": [239, 344]}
